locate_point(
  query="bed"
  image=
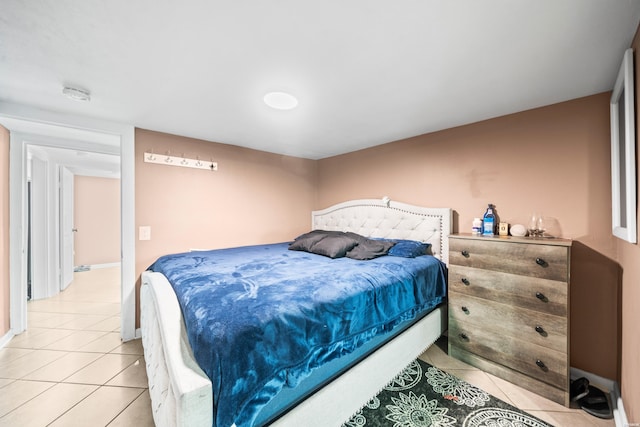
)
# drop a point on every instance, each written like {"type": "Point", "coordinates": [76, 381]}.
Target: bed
{"type": "Point", "coordinates": [182, 393]}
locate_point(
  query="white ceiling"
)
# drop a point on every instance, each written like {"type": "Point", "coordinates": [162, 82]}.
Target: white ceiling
{"type": "Point", "coordinates": [365, 72]}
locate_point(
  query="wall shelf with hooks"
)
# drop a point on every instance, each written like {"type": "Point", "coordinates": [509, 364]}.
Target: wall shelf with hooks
{"type": "Point", "coordinates": [184, 162]}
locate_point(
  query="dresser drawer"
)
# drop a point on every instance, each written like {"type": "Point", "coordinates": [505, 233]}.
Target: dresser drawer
{"type": "Point", "coordinates": [534, 260]}
{"type": "Point", "coordinates": [547, 296]}
{"type": "Point", "coordinates": [542, 329]}
{"type": "Point", "coordinates": [538, 362]}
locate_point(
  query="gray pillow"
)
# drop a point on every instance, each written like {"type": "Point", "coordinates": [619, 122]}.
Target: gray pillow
{"type": "Point", "coordinates": [305, 241]}
{"type": "Point", "coordinates": [337, 244]}
{"type": "Point", "coordinates": [334, 245]}
{"type": "Point", "coordinates": [370, 249]}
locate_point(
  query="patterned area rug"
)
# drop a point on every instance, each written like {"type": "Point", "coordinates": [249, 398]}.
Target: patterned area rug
{"type": "Point", "coordinates": [424, 396]}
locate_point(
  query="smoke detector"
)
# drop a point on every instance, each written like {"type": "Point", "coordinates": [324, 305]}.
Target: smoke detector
{"type": "Point", "coordinates": [76, 94]}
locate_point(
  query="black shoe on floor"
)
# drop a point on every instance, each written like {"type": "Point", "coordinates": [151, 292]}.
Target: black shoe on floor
{"type": "Point", "coordinates": [596, 403]}
{"type": "Point", "coordinates": [579, 389]}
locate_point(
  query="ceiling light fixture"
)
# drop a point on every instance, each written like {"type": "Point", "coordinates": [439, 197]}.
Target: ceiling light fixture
{"type": "Point", "coordinates": [76, 94]}
{"type": "Point", "coordinates": [280, 100]}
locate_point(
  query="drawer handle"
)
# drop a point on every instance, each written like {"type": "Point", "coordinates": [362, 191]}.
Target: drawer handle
{"type": "Point", "coordinates": [541, 297]}
{"type": "Point", "coordinates": [465, 309]}
{"type": "Point", "coordinates": [464, 336]}
{"type": "Point", "coordinates": [465, 281]}
{"type": "Point", "coordinates": [541, 331]}
{"type": "Point", "coordinates": [541, 365]}
{"type": "Point", "coordinates": [541, 262]}
{"type": "Point", "coordinates": [465, 253]}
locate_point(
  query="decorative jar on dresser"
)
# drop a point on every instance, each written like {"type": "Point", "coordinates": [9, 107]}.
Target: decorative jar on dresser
{"type": "Point", "coordinates": [509, 309]}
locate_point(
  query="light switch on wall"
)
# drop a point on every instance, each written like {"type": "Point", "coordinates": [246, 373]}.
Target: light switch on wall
{"type": "Point", "coordinates": [144, 232]}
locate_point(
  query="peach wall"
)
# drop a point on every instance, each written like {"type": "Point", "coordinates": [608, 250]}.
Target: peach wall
{"type": "Point", "coordinates": [255, 197]}
{"type": "Point", "coordinates": [629, 256]}
{"type": "Point", "coordinates": [630, 383]}
{"type": "Point", "coordinates": [553, 159]}
{"type": "Point", "coordinates": [96, 216]}
{"type": "Point", "coordinates": [4, 231]}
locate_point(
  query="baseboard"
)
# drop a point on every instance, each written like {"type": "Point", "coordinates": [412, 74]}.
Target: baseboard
{"type": "Point", "coordinates": [4, 340]}
{"type": "Point", "coordinates": [138, 333]}
{"type": "Point", "coordinates": [617, 406]}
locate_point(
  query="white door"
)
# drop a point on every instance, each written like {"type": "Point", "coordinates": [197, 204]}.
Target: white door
{"type": "Point", "coordinates": [66, 227]}
{"type": "Point", "coordinates": [39, 229]}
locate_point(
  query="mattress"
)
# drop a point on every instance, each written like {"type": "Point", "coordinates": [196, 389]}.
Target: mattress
{"type": "Point", "coordinates": [261, 319]}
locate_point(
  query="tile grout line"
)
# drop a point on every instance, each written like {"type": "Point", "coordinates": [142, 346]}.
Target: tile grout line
{"type": "Point", "coordinates": [53, 384]}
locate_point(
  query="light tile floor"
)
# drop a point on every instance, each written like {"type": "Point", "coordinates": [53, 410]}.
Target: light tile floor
{"type": "Point", "coordinates": [522, 399]}
{"type": "Point", "coordinates": [71, 369]}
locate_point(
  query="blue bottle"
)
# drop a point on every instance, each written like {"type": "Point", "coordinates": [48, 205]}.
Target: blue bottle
{"type": "Point", "coordinates": [488, 222]}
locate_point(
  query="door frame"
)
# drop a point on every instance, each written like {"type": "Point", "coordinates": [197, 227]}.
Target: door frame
{"type": "Point", "coordinates": [66, 226]}
{"type": "Point", "coordinates": [44, 280]}
{"type": "Point", "coordinates": [29, 125]}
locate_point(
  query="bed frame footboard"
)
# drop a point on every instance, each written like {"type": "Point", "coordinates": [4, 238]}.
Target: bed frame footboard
{"type": "Point", "coordinates": [180, 391]}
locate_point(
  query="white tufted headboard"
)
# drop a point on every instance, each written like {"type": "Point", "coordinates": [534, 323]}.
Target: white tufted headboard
{"type": "Point", "coordinates": [388, 219]}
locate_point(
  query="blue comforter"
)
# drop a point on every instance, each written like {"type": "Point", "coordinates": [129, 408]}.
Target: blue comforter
{"type": "Point", "coordinates": [261, 318]}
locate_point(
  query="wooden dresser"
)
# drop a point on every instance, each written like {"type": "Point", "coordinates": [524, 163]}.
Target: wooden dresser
{"type": "Point", "coordinates": [509, 309]}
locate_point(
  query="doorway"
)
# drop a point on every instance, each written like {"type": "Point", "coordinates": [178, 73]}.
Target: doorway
{"type": "Point", "coordinates": [35, 127]}
{"type": "Point", "coordinates": [52, 174]}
